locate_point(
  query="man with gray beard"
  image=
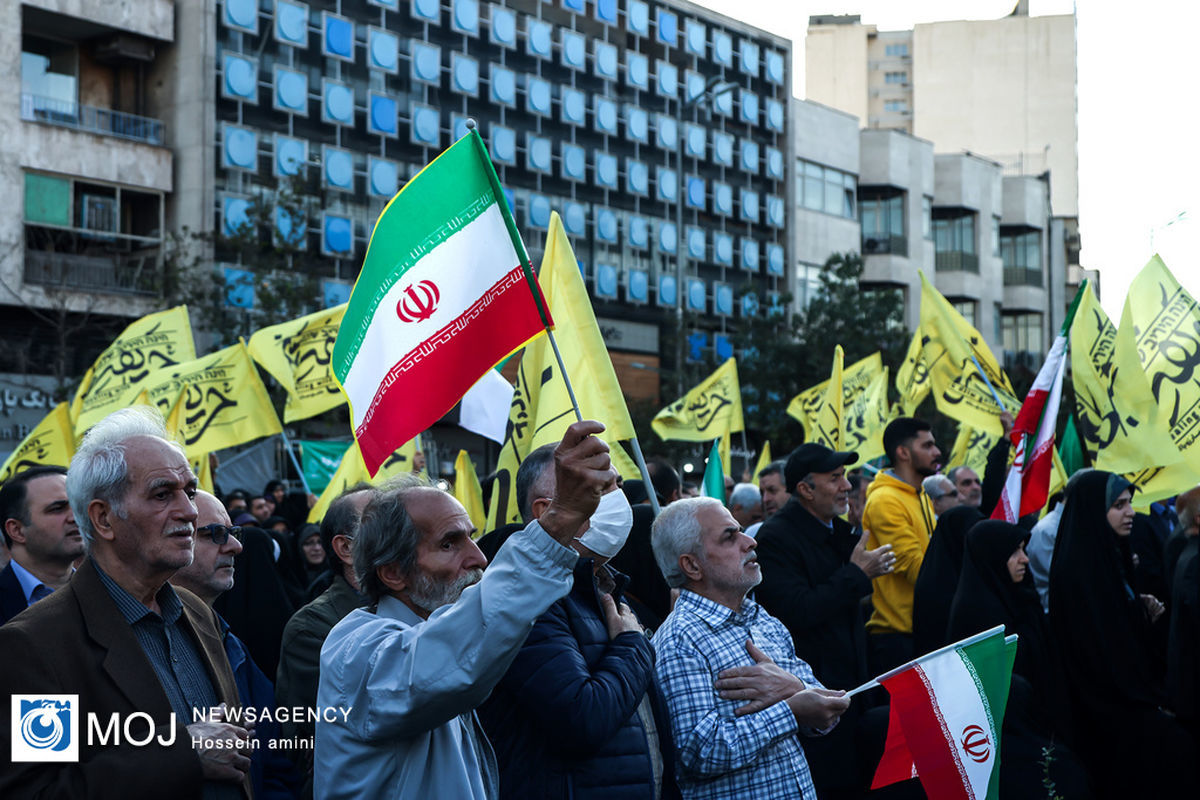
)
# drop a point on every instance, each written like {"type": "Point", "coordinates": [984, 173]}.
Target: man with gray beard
{"type": "Point", "coordinates": [407, 673]}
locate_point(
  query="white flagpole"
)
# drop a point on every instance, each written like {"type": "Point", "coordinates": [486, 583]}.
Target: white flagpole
{"type": "Point", "coordinates": [979, 637]}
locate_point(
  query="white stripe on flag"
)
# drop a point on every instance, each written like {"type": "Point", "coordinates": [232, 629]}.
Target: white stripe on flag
{"type": "Point", "coordinates": [964, 718]}
{"type": "Point", "coordinates": [388, 339]}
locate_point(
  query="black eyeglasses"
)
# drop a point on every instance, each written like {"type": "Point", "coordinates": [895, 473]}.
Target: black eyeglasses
{"type": "Point", "coordinates": [220, 533]}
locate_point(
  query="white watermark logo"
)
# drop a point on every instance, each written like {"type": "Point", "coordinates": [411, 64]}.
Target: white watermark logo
{"type": "Point", "coordinates": [45, 727]}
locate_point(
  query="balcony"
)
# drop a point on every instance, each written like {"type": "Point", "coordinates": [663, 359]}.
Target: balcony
{"type": "Point", "coordinates": [1022, 276]}
{"type": "Point", "coordinates": [956, 261]}
{"type": "Point", "coordinates": [133, 273]}
{"type": "Point", "coordinates": [103, 121]}
{"type": "Point", "coordinates": [884, 245]}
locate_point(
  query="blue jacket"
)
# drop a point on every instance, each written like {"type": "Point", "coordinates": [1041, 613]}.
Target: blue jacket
{"type": "Point", "coordinates": [564, 719]}
{"type": "Point", "coordinates": [271, 773]}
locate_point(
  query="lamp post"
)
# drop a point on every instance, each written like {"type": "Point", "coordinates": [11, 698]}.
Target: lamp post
{"type": "Point", "coordinates": [709, 92]}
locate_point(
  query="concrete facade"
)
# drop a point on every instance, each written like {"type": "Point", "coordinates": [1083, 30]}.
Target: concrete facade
{"type": "Point", "coordinates": [896, 163]}
{"type": "Point", "coordinates": [828, 139]}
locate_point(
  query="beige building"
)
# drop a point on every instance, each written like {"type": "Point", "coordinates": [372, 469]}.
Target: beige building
{"type": "Point", "coordinates": [1001, 90]}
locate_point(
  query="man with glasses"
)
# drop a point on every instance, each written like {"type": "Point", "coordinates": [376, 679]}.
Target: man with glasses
{"type": "Point", "coordinates": [209, 576]}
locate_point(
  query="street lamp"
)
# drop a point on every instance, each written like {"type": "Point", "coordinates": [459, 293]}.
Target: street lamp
{"type": "Point", "coordinates": [709, 92]}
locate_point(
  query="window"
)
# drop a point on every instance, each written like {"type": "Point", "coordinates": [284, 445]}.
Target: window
{"type": "Point", "coordinates": [1022, 340]}
{"type": "Point", "coordinates": [881, 209]}
{"type": "Point", "coordinates": [895, 106]}
{"type": "Point", "coordinates": [966, 308]}
{"type": "Point", "coordinates": [897, 50]}
{"type": "Point", "coordinates": [827, 189]}
{"type": "Point", "coordinates": [954, 240]}
{"type": "Point", "coordinates": [1021, 252]}
{"type": "Point", "coordinates": [895, 77]}
{"type": "Point", "coordinates": [49, 71]}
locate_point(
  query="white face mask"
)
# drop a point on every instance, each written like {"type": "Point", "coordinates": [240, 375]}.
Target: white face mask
{"type": "Point", "coordinates": [609, 526]}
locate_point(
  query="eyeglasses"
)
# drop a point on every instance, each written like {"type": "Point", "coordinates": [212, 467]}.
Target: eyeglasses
{"type": "Point", "coordinates": [220, 533]}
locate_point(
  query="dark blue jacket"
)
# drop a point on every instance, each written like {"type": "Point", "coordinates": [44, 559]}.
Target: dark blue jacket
{"type": "Point", "coordinates": [564, 719]}
{"type": "Point", "coordinates": [271, 773]}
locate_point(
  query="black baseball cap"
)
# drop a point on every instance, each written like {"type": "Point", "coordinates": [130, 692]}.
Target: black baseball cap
{"type": "Point", "coordinates": [812, 457]}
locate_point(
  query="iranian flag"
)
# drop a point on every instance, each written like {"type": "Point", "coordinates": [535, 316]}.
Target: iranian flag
{"type": "Point", "coordinates": [445, 293]}
{"type": "Point", "coordinates": [947, 709]}
{"type": "Point", "coordinates": [1027, 486]}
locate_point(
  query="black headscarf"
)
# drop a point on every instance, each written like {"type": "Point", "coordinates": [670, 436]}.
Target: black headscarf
{"type": "Point", "coordinates": [1099, 624]}
{"type": "Point", "coordinates": [938, 578]}
{"type": "Point", "coordinates": [258, 606]}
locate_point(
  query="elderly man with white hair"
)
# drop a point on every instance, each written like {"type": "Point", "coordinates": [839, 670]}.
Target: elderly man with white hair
{"type": "Point", "coordinates": [745, 503]}
{"type": "Point", "coordinates": [122, 639]}
{"type": "Point", "coordinates": [737, 694]}
{"type": "Point", "coordinates": [942, 493]}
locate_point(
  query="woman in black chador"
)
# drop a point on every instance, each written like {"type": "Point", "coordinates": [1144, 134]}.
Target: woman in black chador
{"type": "Point", "coordinates": [938, 578]}
{"type": "Point", "coordinates": [1111, 656]}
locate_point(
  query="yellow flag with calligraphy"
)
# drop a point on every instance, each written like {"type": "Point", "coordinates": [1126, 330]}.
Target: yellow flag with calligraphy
{"type": "Point", "coordinates": [856, 378]}
{"type": "Point", "coordinates": [224, 402]}
{"type": "Point", "coordinates": [710, 409]}
{"type": "Point", "coordinates": [297, 353]}
{"type": "Point", "coordinates": [830, 427]}
{"type": "Point", "coordinates": [865, 418]}
{"type": "Point", "coordinates": [949, 358]}
{"type": "Point", "coordinates": [154, 342]}
{"type": "Point", "coordinates": [468, 491]}
{"type": "Point", "coordinates": [1119, 426]}
{"type": "Point", "coordinates": [541, 410]}
{"type": "Point", "coordinates": [50, 443]}
{"type": "Point", "coordinates": [971, 448]}
{"type": "Point", "coordinates": [1163, 324]}
{"type": "Point", "coordinates": [725, 453]}
{"type": "Point", "coordinates": [202, 469]}
{"type": "Point", "coordinates": [352, 470]}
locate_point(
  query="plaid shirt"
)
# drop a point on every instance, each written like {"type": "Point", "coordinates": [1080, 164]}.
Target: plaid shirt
{"type": "Point", "coordinates": [720, 755]}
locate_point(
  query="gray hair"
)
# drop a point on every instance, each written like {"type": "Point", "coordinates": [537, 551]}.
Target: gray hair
{"type": "Point", "coordinates": [935, 486]}
{"type": "Point", "coordinates": [675, 532]}
{"type": "Point", "coordinates": [745, 495]}
{"type": "Point", "coordinates": [386, 535]}
{"type": "Point", "coordinates": [98, 469]}
{"type": "Point", "coordinates": [531, 476]}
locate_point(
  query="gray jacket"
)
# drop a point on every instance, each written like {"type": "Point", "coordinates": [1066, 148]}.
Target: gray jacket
{"type": "Point", "coordinates": [410, 686]}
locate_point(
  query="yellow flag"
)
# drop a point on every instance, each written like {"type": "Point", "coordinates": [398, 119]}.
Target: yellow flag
{"type": "Point", "coordinates": [945, 357]}
{"type": "Point", "coordinates": [865, 418]}
{"type": "Point", "coordinates": [622, 463]}
{"type": "Point", "coordinates": [202, 469]}
{"type": "Point", "coordinates": [723, 452]}
{"type": "Point", "coordinates": [971, 449]}
{"type": "Point", "coordinates": [764, 459]}
{"type": "Point", "coordinates": [1118, 419]}
{"type": "Point", "coordinates": [154, 342]}
{"type": "Point", "coordinates": [297, 354]}
{"type": "Point", "coordinates": [468, 491]}
{"type": "Point", "coordinates": [352, 470]}
{"type": "Point", "coordinates": [856, 379]}
{"type": "Point", "coordinates": [50, 443]}
{"type": "Point", "coordinates": [225, 404]}
{"type": "Point", "coordinates": [541, 409]}
{"type": "Point", "coordinates": [830, 427]}
{"type": "Point", "coordinates": [713, 407]}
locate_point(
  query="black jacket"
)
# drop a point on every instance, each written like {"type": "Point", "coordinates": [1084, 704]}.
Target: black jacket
{"type": "Point", "coordinates": [564, 719]}
{"type": "Point", "coordinates": [810, 586]}
{"type": "Point", "coordinates": [12, 596]}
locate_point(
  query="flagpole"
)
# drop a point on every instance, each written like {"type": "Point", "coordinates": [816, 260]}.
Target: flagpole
{"type": "Point", "coordinates": [287, 444]}
{"type": "Point", "coordinates": [995, 394]}
{"type": "Point", "coordinates": [641, 464]}
{"type": "Point", "coordinates": [970, 640]}
{"type": "Point", "coordinates": [746, 452]}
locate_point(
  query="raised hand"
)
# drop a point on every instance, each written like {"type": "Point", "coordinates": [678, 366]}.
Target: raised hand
{"type": "Point", "coordinates": [582, 468]}
{"type": "Point", "coordinates": [874, 563]}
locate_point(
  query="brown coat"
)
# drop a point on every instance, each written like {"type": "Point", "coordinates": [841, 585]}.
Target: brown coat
{"type": "Point", "coordinates": [77, 642]}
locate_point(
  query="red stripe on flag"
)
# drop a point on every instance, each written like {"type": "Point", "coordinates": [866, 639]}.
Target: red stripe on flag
{"type": "Point", "coordinates": [1035, 483]}
{"type": "Point", "coordinates": [897, 762]}
{"type": "Point", "coordinates": [934, 750]}
{"type": "Point", "coordinates": [425, 384]}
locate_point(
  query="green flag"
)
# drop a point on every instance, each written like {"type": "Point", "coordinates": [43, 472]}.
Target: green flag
{"type": "Point", "coordinates": [714, 474]}
{"type": "Point", "coordinates": [1070, 452]}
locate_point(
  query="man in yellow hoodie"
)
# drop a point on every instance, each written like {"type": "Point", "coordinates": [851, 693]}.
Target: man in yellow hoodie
{"type": "Point", "coordinates": [900, 514]}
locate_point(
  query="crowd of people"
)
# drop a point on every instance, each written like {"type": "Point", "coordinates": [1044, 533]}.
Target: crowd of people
{"type": "Point", "coordinates": [594, 650]}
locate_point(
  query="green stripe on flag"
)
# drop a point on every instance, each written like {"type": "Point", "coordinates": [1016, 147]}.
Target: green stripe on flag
{"type": "Point", "coordinates": [714, 474]}
{"type": "Point", "coordinates": [990, 664]}
{"type": "Point", "coordinates": [449, 193]}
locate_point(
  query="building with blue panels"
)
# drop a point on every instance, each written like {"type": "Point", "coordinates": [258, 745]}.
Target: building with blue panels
{"type": "Point", "coordinates": [657, 131]}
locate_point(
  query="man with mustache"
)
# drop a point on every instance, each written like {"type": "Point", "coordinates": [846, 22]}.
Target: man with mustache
{"type": "Point", "coordinates": [122, 639]}
{"type": "Point", "coordinates": [411, 668]}
{"type": "Point", "coordinates": [208, 577]}
{"type": "Point", "coordinates": [737, 693]}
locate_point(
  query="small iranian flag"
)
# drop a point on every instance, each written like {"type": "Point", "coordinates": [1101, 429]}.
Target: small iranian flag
{"type": "Point", "coordinates": [444, 294]}
{"type": "Point", "coordinates": [947, 710]}
{"type": "Point", "coordinates": [714, 474]}
{"type": "Point", "coordinates": [1027, 486]}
